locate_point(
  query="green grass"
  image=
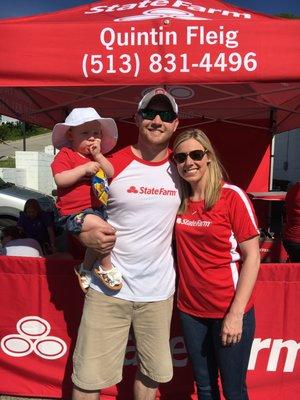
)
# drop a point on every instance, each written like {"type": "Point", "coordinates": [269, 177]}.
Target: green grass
{"type": "Point", "coordinates": [9, 162]}
{"type": "Point", "coordinates": [11, 131]}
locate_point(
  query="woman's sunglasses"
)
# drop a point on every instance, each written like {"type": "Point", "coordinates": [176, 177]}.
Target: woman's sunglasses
{"type": "Point", "coordinates": [195, 155]}
{"type": "Point", "coordinates": [165, 116]}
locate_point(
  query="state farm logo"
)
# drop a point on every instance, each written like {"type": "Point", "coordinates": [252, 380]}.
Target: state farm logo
{"type": "Point", "coordinates": [194, 222]}
{"type": "Point", "coordinates": [144, 190]}
{"type": "Point", "coordinates": [178, 9]}
{"type": "Point", "coordinates": [33, 336]}
{"type": "Point", "coordinates": [132, 189]}
{"type": "Point", "coordinates": [278, 351]}
{"type": "Point", "coordinates": [162, 13]}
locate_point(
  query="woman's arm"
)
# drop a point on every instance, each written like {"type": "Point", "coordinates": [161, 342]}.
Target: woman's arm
{"type": "Point", "coordinates": [233, 321]}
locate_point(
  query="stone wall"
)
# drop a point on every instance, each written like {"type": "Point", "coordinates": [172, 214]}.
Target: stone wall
{"type": "Point", "coordinates": [32, 170]}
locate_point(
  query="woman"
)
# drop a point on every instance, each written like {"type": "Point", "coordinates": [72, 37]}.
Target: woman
{"type": "Point", "coordinates": [38, 225]}
{"type": "Point", "coordinates": [215, 281]}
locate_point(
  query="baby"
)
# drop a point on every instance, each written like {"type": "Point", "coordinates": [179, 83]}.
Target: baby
{"type": "Point", "coordinates": [80, 172]}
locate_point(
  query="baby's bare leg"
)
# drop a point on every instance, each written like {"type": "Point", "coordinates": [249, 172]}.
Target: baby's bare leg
{"type": "Point", "coordinates": [109, 275]}
{"type": "Point", "coordinates": [89, 259]}
{"type": "Point", "coordinates": [90, 225]}
{"type": "Point", "coordinates": [105, 262]}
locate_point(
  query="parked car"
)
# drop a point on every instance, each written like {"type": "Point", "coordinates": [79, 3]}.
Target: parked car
{"type": "Point", "coordinates": [13, 198]}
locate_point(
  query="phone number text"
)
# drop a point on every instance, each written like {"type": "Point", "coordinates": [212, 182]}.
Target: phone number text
{"type": "Point", "coordinates": [93, 64]}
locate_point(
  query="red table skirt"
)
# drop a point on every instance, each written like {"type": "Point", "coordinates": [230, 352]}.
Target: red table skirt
{"type": "Point", "coordinates": [41, 306]}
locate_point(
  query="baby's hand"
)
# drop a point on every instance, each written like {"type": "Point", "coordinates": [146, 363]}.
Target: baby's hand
{"type": "Point", "coordinates": [91, 168]}
{"type": "Point", "coordinates": [95, 147]}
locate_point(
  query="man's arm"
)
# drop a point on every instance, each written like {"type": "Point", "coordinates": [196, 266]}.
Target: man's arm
{"type": "Point", "coordinates": [101, 240]}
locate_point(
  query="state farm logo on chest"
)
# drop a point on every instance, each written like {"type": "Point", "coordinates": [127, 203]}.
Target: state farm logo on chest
{"type": "Point", "coordinates": [151, 190]}
{"type": "Point", "coordinates": [193, 222]}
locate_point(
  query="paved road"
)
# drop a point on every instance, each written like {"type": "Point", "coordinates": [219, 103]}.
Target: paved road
{"type": "Point", "coordinates": [34, 143]}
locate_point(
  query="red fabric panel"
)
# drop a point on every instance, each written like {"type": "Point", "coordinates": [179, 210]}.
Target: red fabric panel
{"type": "Point", "coordinates": [276, 367]}
{"type": "Point", "coordinates": [47, 289]}
{"type": "Point", "coordinates": [45, 294]}
{"type": "Point", "coordinates": [258, 42]}
{"type": "Point", "coordinates": [272, 250]}
{"type": "Point", "coordinates": [246, 162]}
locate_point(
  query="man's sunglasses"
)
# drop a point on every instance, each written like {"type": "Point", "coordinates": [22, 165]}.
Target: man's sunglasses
{"type": "Point", "coordinates": [165, 116]}
{"type": "Point", "coordinates": [195, 155]}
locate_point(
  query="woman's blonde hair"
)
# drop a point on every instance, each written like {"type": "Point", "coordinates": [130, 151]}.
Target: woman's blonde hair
{"type": "Point", "coordinates": [216, 172]}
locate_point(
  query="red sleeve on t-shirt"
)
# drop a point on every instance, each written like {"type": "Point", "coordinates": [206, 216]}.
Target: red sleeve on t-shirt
{"type": "Point", "coordinates": [120, 160]}
{"type": "Point", "coordinates": [63, 161]}
{"type": "Point", "coordinates": [241, 213]}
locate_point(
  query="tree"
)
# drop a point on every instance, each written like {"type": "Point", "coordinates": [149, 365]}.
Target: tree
{"type": "Point", "coordinates": [13, 131]}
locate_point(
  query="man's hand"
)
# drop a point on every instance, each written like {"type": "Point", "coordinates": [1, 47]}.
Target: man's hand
{"type": "Point", "coordinates": [101, 240]}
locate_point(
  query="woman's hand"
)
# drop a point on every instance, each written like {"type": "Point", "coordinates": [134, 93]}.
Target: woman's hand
{"type": "Point", "coordinates": [232, 329]}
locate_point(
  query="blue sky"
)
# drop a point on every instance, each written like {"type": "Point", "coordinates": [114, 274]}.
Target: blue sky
{"type": "Point", "coordinates": [14, 8]}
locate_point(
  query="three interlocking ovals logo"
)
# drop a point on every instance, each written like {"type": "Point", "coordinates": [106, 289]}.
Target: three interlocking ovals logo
{"type": "Point", "coordinates": [33, 336]}
{"type": "Point", "coordinates": [16, 346]}
{"type": "Point", "coordinates": [33, 327]}
{"type": "Point", "coordinates": [159, 13]}
{"type": "Point", "coordinates": [50, 347]}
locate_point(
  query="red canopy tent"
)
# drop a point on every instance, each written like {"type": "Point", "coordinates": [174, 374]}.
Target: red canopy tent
{"type": "Point", "coordinates": [233, 72]}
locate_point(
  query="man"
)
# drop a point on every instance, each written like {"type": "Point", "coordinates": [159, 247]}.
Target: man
{"type": "Point", "coordinates": [291, 232]}
{"type": "Point", "coordinates": [142, 208]}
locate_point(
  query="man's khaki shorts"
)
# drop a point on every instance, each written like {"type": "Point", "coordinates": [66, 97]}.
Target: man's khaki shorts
{"type": "Point", "coordinates": [103, 334]}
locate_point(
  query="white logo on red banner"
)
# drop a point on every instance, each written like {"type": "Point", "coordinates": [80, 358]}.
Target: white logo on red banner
{"type": "Point", "coordinates": [33, 336]}
{"type": "Point", "coordinates": [161, 13]}
{"type": "Point", "coordinates": [171, 8]}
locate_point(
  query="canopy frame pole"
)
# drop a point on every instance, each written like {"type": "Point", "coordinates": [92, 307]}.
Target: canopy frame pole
{"type": "Point", "coordinates": [23, 128]}
{"type": "Point", "coordinates": [272, 129]}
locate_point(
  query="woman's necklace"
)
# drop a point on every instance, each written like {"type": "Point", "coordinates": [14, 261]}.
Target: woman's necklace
{"type": "Point", "coordinates": [197, 207]}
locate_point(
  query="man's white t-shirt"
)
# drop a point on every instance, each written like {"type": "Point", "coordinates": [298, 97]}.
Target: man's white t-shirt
{"type": "Point", "coordinates": [143, 203]}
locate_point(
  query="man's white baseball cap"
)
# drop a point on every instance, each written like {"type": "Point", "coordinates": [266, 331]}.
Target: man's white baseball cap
{"type": "Point", "coordinates": [79, 116]}
{"type": "Point", "coordinates": [143, 104]}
